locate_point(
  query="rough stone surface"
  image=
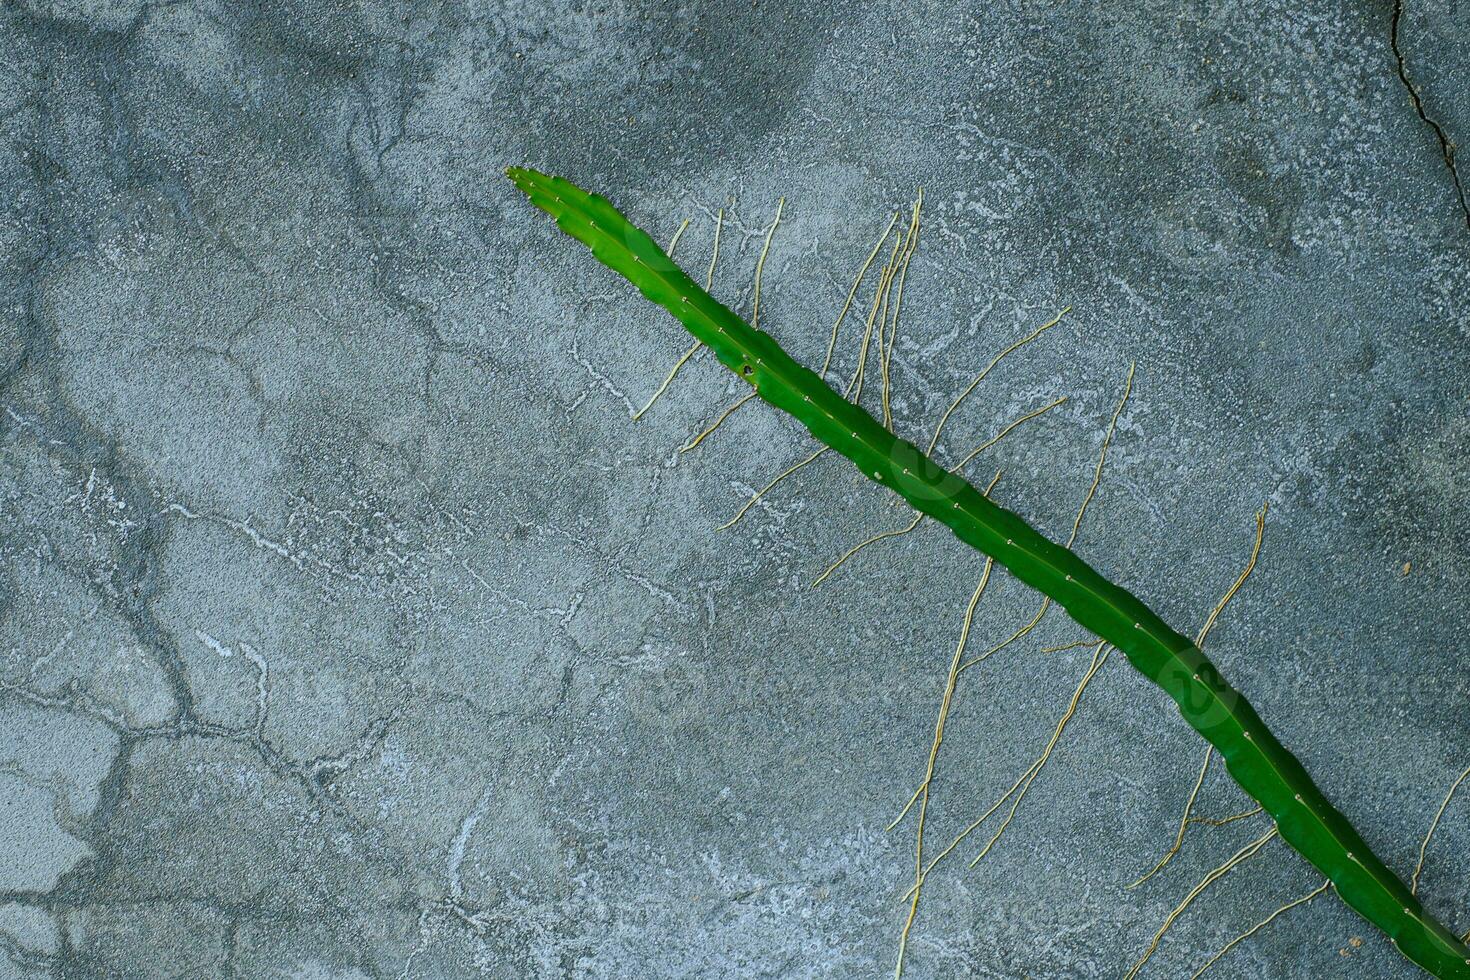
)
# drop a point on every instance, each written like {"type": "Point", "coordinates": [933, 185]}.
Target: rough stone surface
{"type": "Point", "coordinates": [349, 629]}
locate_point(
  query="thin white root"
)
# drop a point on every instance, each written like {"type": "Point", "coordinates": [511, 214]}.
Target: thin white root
{"type": "Point", "coordinates": [678, 366]}
{"type": "Point", "coordinates": [1419, 868]}
{"type": "Point", "coordinates": [1209, 879]}
{"type": "Point", "coordinates": [763, 490]}
{"type": "Point", "coordinates": [709, 281]}
{"type": "Point", "coordinates": [760, 265]}
{"type": "Point", "coordinates": [944, 419]}
{"type": "Point", "coordinates": [885, 350]}
{"type": "Point", "coordinates": [842, 560]}
{"type": "Point", "coordinates": [919, 517]}
{"type": "Point", "coordinates": [694, 443]}
{"type": "Point", "coordinates": [1099, 657]}
{"type": "Point", "coordinates": [1185, 820]}
{"type": "Point", "coordinates": [1023, 782]}
{"type": "Point", "coordinates": [1258, 927]}
{"type": "Point", "coordinates": [857, 281]}
{"type": "Point", "coordinates": [949, 689]}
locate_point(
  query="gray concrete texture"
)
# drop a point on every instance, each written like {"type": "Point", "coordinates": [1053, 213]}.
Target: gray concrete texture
{"type": "Point", "coordinates": [349, 628]}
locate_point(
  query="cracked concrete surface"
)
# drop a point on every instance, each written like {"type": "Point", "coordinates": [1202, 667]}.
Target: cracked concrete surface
{"type": "Point", "coordinates": [348, 628]}
{"type": "Point", "coordinates": [1416, 96]}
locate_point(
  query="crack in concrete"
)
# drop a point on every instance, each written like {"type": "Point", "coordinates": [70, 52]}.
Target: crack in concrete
{"type": "Point", "coordinates": [1446, 145]}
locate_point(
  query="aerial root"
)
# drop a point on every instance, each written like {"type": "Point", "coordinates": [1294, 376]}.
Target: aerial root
{"type": "Point", "coordinates": [678, 365]}
{"type": "Point", "coordinates": [714, 256]}
{"type": "Point", "coordinates": [943, 419]}
{"type": "Point", "coordinates": [842, 560]}
{"type": "Point", "coordinates": [885, 350]}
{"type": "Point", "coordinates": [1090, 641]}
{"type": "Point", "coordinates": [857, 281]}
{"type": "Point", "coordinates": [1185, 820]}
{"type": "Point", "coordinates": [974, 824]}
{"type": "Point", "coordinates": [1023, 783]}
{"type": "Point", "coordinates": [1014, 637]}
{"type": "Point", "coordinates": [1005, 432]}
{"type": "Point", "coordinates": [885, 283]}
{"type": "Point", "coordinates": [1245, 573]}
{"type": "Point", "coordinates": [1227, 821]}
{"type": "Point", "coordinates": [959, 649]}
{"type": "Point", "coordinates": [1209, 879]}
{"type": "Point", "coordinates": [760, 265]}
{"type": "Point", "coordinates": [1102, 456]}
{"type": "Point", "coordinates": [709, 281]}
{"type": "Point", "coordinates": [765, 489]}
{"type": "Point", "coordinates": [1419, 868]}
{"type": "Point", "coordinates": [694, 443]}
{"type": "Point", "coordinates": [1259, 926]}
{"type": "Point", "coordinates": [1076, 521]}
{"type": "Point", "coordinates": [919, 517]}
{"type": "Point", "coordinates": [918, 790]}
{"type": "Point", "coordinates": [854, 390]}
{"type": "Point", "coordinates": [674, 240]}
{"type": "Point", "coordinates": [923, 792]}
{"type": "Point", "coordinates": [1100, 656]}
{"type": "Point", "coordinates": [1076, 525]}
